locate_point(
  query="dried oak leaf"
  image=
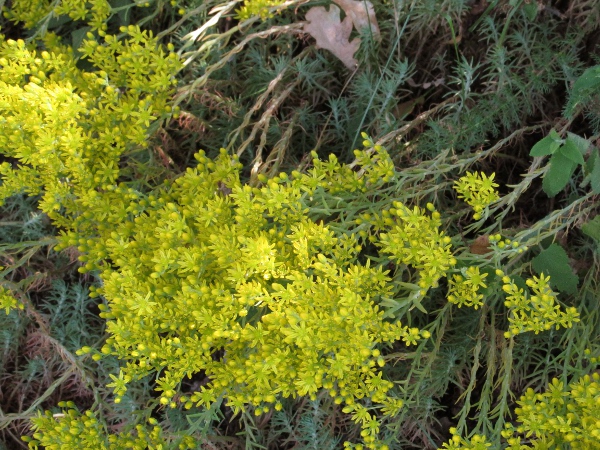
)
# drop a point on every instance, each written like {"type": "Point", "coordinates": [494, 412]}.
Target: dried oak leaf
{"type": "Point", "coordinates": [362, 14]}
{"type": "Point", "coordinates": [332, 34]}
{"type": "Point", "coordinates": [481, 245]}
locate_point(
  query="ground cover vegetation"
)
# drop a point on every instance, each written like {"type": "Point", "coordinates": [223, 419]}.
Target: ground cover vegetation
{"type": "Point", "coordinates": [275, 225]}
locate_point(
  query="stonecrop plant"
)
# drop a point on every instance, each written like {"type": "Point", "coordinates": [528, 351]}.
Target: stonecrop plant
{"type": "Point", "coordinates": [478, 190]}
{"type": "Point", "coordinates": [223, 289]}
{"type": "Point", "coordinates": [8, 301]}
{"type": "Point", "coordinates": [556, 418]}
{"type": "Point", "coordinates": [536, 312]}
{"type": "Point", "coordinates": [68, 128]}
{"type": "Point", "coordinates": [94, 13]}
{"type": "Point", "coordinates": [73, 430]}
{"type": "Point", "coordinates": [242, 284]}
{"type": "Point", "coordinates": [260, 8]}
{"type": "Point", "coordinates": [262, 288]}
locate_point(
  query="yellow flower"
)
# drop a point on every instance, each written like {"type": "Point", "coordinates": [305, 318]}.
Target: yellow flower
{"type": "Point", "coordinates": [478, 190]}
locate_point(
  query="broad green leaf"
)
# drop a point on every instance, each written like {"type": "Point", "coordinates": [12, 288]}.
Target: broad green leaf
{"type": "Point", "coordinates": [554, 135]}
{"type": "Point", "coordinates": [558, 175]}
{"type": "Point", "coordinates": [546, 146]}
{"type": "Point", "coordinates": [530, 10]}
{"type": "Point", "coordinates": [571, 151]}
{"type": "Point", "coordinates": [592, 229]}
{"type": "Point", "coordinates": [123, 12]}
{"type": "Point", "coordinates": [589, 80]}
{"type": "Point", "coordinates": [591, 162]}
{"type": "Point", "coordinates": [588, 168]}
{"type": "Point", "coordinates": [554, 262]}
{"type": "Point", "coordinates": [582, 143]}
{"type": "Point", "coordinates": [56, 22]}
{"type": "Point", "coordinates": [595, 177]}
{"type": "Point", "coordinates": [77, 37]}
{"type": "Point", "coordinates": [584, 88]}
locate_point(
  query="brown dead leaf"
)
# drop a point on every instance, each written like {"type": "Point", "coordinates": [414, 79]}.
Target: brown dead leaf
{"type": "Point", "coordinates": [362, 14]}
{"type": "Point", "coordinates": [333, 34]}
{"type": "Point", "coordinates": [481, 245]}
{"type": "Point", "coordinates": [404, 109]}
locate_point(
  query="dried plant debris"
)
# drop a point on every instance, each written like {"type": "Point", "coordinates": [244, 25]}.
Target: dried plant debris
{"type": "Point", "coordinates": [333, 34]}
{"type": "Point", "coordinates": [362, 14]}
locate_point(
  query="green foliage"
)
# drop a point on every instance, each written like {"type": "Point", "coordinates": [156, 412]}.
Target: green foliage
{"type": "Point", "coordinates": [569, 153]}
{"type": "Point", "coordinates": [584, 91]}
{"type": "Point", "coordinates": [592, 171]}
{"type": "Point", "coordinates": [548, 145]}
{"type": "Point", "coordinates": [566, 156]}
{"type": "Point", "coordinates": [555, 262]}
{"type": "Point", "coordinates": [592, 229]}
{"type": "Point", "coordinates": [311, 424]}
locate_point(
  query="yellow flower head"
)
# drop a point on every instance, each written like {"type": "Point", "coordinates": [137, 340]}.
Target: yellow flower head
{"type": "Point", "coordinates": [478, 190]}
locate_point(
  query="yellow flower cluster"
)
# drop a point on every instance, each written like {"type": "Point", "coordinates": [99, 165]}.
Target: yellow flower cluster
{"type": "Point", "coordinates": [30, 12]}
{"type": "Point", "coordinates": [8, 301]}
{"type": "Point", "coordinates": [260, 8]}
{"type": "Point", "coordinates": [558, 417]}
{"type": "Point", "coordinates": [376, 168]}
{"type": "Point", "coordinates": [241, 284]}
{"type": "Point", "coordinates": [464, 289]}
{"type": "Point", "coordinates": [68, 128]}
{"type": "Point", "coordinates": [476, 442]}
{"type": "Point", "coordinates": [415, 239]}
{"type": "Point", "coordinates": [537, 312]}
{"type": "Point", "coordinates": [93, 12]}
{"type": "Point", "coordinates": [478, 190]}
{"type": "Point", "coordinates": [258, 288]}
{"type": "Point", "coordinates": [376, 160]}
{"type": "Point", "coordinates": [70, 429]}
